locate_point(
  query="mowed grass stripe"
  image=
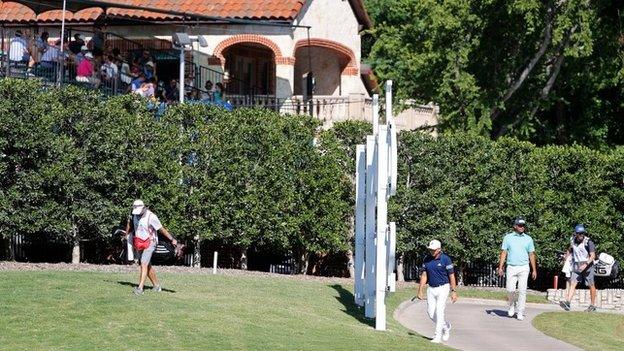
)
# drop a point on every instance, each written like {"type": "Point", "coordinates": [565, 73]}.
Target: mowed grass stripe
{"type": "Point", "coordinates": [53, 310]}
{"type": "Point", "coordinates": [589, 331]}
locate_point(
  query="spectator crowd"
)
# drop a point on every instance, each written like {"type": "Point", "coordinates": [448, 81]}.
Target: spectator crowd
{"type": "Point", "coordinates": [94, 64]}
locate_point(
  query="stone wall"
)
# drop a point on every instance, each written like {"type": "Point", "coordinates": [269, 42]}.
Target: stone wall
{"type": "Point", "coordinates": [608, 299]}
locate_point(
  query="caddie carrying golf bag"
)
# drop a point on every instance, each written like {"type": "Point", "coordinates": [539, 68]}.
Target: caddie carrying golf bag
{"type": "Point", "coordinates": [606, 266]}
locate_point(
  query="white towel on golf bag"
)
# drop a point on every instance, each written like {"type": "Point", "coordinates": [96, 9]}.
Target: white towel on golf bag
{"type": "Point", "coordinates": [567, 267]}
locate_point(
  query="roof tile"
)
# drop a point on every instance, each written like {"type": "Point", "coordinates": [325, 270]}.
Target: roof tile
{"type": "Point", "coordinates": [247, 9]}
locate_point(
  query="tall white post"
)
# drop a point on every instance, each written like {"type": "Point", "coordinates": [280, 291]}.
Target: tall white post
{"type": "Point", "coordinates": [389, 102]}
{"type": "Point", "coordinates": [182, 74]}
{"type": "Point", "coordinates": [391, 256]}
{"type": "Point", "coordinates": [360, 211]}
{"type": "Point", "coordinates": [375, 113]}
{"type": "Point", "coordinates": [214, 263]}
{"type": "Point", "coordinates": [382, 228]}
{"type": "Point", "coordinates": [61, 62]}
{"type": "Point", "coordinates": [369, 275]}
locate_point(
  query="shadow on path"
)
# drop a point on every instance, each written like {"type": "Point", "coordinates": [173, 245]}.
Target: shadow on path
{"type": "Point", "coordinates": [134, 285]}
{"type": "Point", "coordinates": [500, 313]}
{"type": "Point", "coordinates": [347, 299]}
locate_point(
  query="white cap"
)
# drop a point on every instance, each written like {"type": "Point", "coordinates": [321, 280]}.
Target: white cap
{"type": "Point", "coordinates": [84, 48]}
{"type": "Point", "coordinates": [150, 63]}
{"type": "Point", "coordinates": [89, 55]}
{"type": "Point", "coordinates": [434, 245]}
{"type": "Point", "coordinates": [137, 207]}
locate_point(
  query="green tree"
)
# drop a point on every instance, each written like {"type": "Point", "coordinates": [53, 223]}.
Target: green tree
{"type": "Point", "coordinates": [546, 71]}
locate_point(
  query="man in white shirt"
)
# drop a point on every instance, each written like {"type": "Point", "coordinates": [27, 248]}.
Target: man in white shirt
{"type": "Point", "coordinates": [143, 227]}
{"type": "Point", "coordinates": [18, 50]}
{"type": "Point", "coordinates": [51, 55]}
{"type": "Point", "coordinates": [109, 69]}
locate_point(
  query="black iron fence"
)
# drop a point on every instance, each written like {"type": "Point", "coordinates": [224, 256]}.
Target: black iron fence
{"type": "Point", "coordinates": [485, 275]}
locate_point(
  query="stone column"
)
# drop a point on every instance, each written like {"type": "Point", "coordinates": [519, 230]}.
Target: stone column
{"type": "Point", "coordinates": [284, 81]}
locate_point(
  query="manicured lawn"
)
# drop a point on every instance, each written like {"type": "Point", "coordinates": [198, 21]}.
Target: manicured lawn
{"type": "Point", "coordinates": [497, 295]}
{"type": "Point", "coordinates": [589, 331]}
{"type": "Point", "coordinates": [49, 310]}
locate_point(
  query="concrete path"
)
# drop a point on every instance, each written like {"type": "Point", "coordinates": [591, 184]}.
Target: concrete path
{"type": "Point", "coordinates": [483, 325]}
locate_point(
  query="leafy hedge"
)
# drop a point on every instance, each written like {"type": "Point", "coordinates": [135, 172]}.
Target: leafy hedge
{"type": "Point", "coordinates": [71, 163]}
{"type": "Point", "coordinates": [466, 190]}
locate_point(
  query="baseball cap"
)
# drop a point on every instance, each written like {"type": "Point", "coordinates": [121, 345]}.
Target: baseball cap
{"type": "Point", "coordinates": [89, 55]}
{"type": "Point", "coordinates": [579, 229]}
{"type": "Point", "coordinates": [434, 244]}
{"type": "Point", "coordinates": [84, 48]}
{"type": "Point", "coordinates": [520, 221]}
{"type": "Point", "coordinates": [150, 63]}
{"type": "Point", "coordinates": [137, 207]}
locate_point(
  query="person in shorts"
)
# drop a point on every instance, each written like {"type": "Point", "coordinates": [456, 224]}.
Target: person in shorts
{"type": "Point", "coordinates": [142, 229]}
{"type": "Point", "coordinates": [583, 252]}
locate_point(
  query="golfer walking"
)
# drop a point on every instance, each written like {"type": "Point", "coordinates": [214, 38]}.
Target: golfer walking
{"type": "Point", "coordinates": [517, 251]}
{"type": "Point", "coordinates": [142, 230]}
{"type": "Point", "coordinates": [583, 253]}
{"type": "Point", "coordinates": [439, 273]}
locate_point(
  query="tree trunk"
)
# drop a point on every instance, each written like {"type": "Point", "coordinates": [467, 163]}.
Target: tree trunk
{"type": "Point", "coordinates": [350, 264]}
{"type": "Point", "coordinates": [10, 255]}
{"type": "Point", "coordinates": [76, 248]}
{"type": "Point", "coordinates": [243, 259]}
{"type": "Point", "coordinates": [461, 274]}
{"type": "Point", "coordinates": [196, 251]}
{"type": "Point", "coordinates": [547, 38]}
{"type": "Point", "coordinates": [302, 262]}
{"type": "Point", "coordinates": [399, 268]}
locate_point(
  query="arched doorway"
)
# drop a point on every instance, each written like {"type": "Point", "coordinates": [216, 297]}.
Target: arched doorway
{"type": "Point", "coordinates": [251, 69]}
{"type": "Point", "coordinates": [327, 61]}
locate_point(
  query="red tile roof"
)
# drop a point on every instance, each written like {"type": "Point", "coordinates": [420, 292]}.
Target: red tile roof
{"type": "Point", "coordinates": [284, 10]}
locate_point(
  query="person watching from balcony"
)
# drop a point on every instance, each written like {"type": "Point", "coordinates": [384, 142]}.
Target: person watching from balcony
{"type": "Point", "coordinates": [51, 55]}
{"type": "Point", "coordinates": [76, 45]}
{"type": "Point", "coordinates": [97, 42]}
{"type": "Point", "coordinates": [137, 83]}
{"type": "Point", "coordinates": [125, 75]}
{"type": "Point", "coordinates": [109, 69]}
{"type": "Point", "coordinates": [219, 93]}
{"type": "Point", "coordinates": [41, 44]}
{"type": "Point", "coordinates": [147, 89]}
{"type": "Point", "coordinates": [81, 55]}
{"type": "Point", "coordinates": [172, 92]}
{"type": "Point", "coordinates": [149, 70]}
{"type": "Point", "coordinates": [207, 94]}
{"type": "Point", "coordinates": [145, 57]}
{"type": "Point", "coordinates": [18, 49]}
{"type": "Point", "coordinates": [85, 72]}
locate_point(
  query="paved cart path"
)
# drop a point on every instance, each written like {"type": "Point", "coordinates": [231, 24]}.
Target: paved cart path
{"type": "Point", "coordinates": [483, 325]}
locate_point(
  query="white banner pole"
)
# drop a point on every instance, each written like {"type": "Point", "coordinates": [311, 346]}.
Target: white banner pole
{"type": "Point", "coordinates": [360, 212]}
{"type": "Point", "coordinates": [369, 262]}
{"type": "Point", "coordinates": [382, 225]}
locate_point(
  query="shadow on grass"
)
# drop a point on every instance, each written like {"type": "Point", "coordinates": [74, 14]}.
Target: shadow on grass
{"type": "Point", "coordinates": [500, 313]}
{"type": "Point", "coordinates": [416, 335]}
{"type": "Point", "coordinates": [134, 285]}
{"type": "Point", "coordinates": [347, 299]}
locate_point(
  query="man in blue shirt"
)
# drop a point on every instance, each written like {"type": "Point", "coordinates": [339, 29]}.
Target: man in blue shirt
{"type": "Point", "coordinates": [438, 272]}
{"type": "Point", "coordinates": [517, 251]}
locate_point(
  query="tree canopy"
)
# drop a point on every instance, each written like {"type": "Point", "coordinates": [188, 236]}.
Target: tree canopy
{"type": "Point", "coordinates": [545, 71]}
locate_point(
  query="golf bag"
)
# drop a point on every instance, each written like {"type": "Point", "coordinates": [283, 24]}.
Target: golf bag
{"type": "Point", "coordinates": [165, 251]}
{"type": "Point", "coordinates": [606, 266]}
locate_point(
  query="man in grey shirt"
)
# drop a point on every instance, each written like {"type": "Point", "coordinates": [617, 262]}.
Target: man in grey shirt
{"type": "Point", "coordinates": [583, 252]}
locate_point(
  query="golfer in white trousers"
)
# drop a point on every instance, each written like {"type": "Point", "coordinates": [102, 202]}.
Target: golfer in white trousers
{"type": "Point", "coordinates": [439, 273]}
{"type": "Point", "coordinates": [517, 251]}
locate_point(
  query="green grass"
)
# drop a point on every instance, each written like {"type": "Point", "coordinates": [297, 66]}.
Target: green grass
{"type": "Point", "coordinates": [496, 295]}
{"type": "Point", "coordinates": [90, 311]}
{"type": "Point", "coordinates": [589, 331]}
